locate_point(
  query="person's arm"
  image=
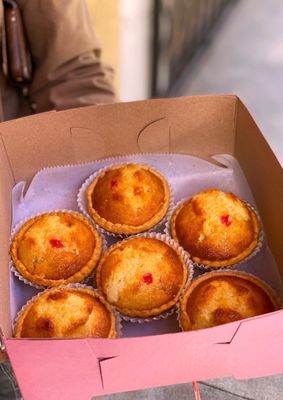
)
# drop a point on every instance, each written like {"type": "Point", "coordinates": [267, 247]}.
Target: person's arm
{"type": "Point", "coordinates": [68, 71]}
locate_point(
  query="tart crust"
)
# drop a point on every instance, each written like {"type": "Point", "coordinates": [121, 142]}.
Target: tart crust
{"type": "Point", "coordinates": [142, 276]}
{"type": "Point", "coordinates": [56, 248]}
{"type": "Point", "coordinates": [220, 297]}
{"type": "Point", "coordinates": [66, 312]}
{"type": "Point", "coordinates": [215, 233]}
{"type": "Point", "coordinates": [128, 198]}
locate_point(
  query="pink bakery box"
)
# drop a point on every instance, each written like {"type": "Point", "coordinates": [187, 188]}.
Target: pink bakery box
{"type": "Point", "coordinates": [198, 127]}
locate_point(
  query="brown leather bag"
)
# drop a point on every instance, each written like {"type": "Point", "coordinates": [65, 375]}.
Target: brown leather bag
{"type": "Point", "coordinates": [16, 58]}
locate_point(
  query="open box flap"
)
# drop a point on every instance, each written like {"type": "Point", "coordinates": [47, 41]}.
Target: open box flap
{"type": "Point", "coordinates": [55, 369]}
{"type": "Point", "coordinates": [199, 126]}
{"type": "Point", "coordinates": [199, 355]}
{"type": "Point", "coordinates": [6, 184]}
{"type": "Point", "coordinates": [265, 177]}
{"type": "Point", "coordinates": [101, 366]}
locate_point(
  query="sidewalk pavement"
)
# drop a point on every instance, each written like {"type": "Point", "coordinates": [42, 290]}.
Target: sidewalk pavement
{"type": "Point", "coordinates": [267, 388]}
{"type": "Point", "coordinates": [244, 56]}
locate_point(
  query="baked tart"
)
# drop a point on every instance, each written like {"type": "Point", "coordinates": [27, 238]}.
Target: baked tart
{"type": "Point", "coordinates": [128, 199]}
{"type": "Point", "coordinates": [142, 276]}
{"type": "Point", "coordinates": [56, 248]}
{"type": "Point", "coordinates": [66, 312]}
{"type": "Point", "coordinates": [216, 228]}
{"type": "Point", "coordinates": [220, 297]}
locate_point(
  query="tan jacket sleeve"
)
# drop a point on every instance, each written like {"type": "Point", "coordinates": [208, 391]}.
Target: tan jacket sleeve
{"type": "Point", "coordinates": [66, 54]}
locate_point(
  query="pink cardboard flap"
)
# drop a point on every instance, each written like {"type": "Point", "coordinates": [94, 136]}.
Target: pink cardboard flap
{"type": "Point", "coordinates": [84, 368]}
{"type": "Point", "coordinates": [54, 369]}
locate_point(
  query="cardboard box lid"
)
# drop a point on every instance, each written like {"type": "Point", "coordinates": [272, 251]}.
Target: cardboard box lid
{"type": "Point", "coordinates": [200, 126]}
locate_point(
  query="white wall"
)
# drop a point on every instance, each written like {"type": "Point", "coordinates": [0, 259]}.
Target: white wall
{"type": "Point", "coordinates": [135, 49]}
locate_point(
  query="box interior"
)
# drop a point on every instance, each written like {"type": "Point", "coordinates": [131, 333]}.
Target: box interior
{"type": "Point", "coordinates": [200, 126]}
{"type": "Point", "coordinates": [57, 189]}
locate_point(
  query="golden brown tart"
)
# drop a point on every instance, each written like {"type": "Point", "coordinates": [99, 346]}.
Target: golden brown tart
{"type": "Point", "coordinates": [56, 248]}
{"type": "Point", "coordinates": [66, 312]}
{"type": "Point", "coordinates": [142, 277]}
{"type": "Point", "coordinates": [220, 297]}
{"type": "Point", "coordinates": [216, 228]}
{"type": "Point", "coordinates": [127, 199]}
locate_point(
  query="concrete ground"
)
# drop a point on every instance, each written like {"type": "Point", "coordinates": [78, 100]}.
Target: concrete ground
{"type": "Point", "coordinates": [244, 56]}
{"type": "Point", "coordinates": [268, 388]}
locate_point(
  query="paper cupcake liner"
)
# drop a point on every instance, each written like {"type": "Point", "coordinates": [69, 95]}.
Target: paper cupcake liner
{"type": "Point", "coordinates": [83, 207]}
{"type": "Point", "coordinates": [269, 289]}
{"type": "Point", "coordinates": [188, 264]}
{"type": "Point", "coordinates": [260, 240]}
{"type": "Point", "coordinates": [17, 227]}
{"type": "Point", "coordinates": [118, 324]}
{"type": "Point", "coordinates": [163, 315]}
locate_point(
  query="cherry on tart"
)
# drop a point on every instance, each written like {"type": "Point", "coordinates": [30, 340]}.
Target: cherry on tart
{"type": "Point", "coordinates": [216, 228]}
{"type": "Point", "coordinates": [128, 199]}
{"type": "Point", "coordinates": [56, 248]}
{"type": "Point", "coordinates": [141, 276]}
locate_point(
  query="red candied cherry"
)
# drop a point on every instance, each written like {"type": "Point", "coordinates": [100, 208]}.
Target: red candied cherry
{"type": "Point", "coordinates": [56, 243]}
{"type": "Point", "coordinates": [147, 278]}
{"type": "Point", "coordinates": [113, 183]}
{"type": "Point", "coordinates": [226, 219]}
{"type": "Point", "coordinates": [138, 190]}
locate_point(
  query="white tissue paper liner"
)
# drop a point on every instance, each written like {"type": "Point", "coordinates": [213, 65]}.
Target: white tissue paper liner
{"type": "Point", "coordinates": [57, 187]}
{"type": "Point", "coordinates": [17, 227]}
{"type": "Point", "coordinates": [219, 271]}
{"type": "Point", "coordinates": [82, 201]}
{"type": "Point", "coordinates": [118, 325]}
{"type": "Point", "coordinates": [258, 247]}
{"type": "Point", "coordinates": [188, 264]}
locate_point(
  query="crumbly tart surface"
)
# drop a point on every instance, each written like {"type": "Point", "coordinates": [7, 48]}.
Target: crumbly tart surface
{"type": "Point", "coordinates": [66, 312]}
{"type": "Point", "coordinates": [216, 228]}
{"type": "Point", "coordinates": [220, 297]}
{"type": "Point", "coordinates": [142, 276]}
{"type": "Point", "coordinates": [128, 199]}
{"type": "Point", "coordinates": [56, 248]}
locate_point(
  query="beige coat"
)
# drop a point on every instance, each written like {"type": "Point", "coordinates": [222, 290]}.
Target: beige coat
{"type": "Point", "coordinates": [66, 55]}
